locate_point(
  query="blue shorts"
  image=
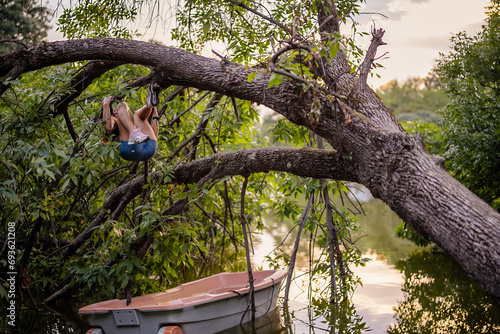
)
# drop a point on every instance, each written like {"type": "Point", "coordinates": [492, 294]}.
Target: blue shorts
{"type": "Point", "coordinates": [138, 152]}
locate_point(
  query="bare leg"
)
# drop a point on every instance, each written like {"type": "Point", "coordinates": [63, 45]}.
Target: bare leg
{"type": "Point", "coordinates": [141, 116]}
{"type": "Point", "coordinates": [125, 121]}
{"type": "Point", "coordinates": [144, 112]}
{"type": "Point", "coordinates": [141, 121]}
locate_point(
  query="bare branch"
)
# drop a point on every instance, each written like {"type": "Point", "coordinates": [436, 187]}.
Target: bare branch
{"type": "Point", "coordinates": [365, 67]}
{"type": "Point", "coordinates": [244, 226]}
{"type": "Point", "coordinates": [270, 19]}
{"type": "Point", "coordinates": [13, 41]}
{"type": "Point", "coordinates": [291, 265]}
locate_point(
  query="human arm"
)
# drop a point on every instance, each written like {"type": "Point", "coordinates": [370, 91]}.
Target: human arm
{"type": "Point", "coordinates": [108, 119]}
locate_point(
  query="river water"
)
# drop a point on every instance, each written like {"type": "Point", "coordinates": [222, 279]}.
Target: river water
{"type": "Point", "coordinates": [405, 289]}
{"type": "Point", "coordinates": [381, 281]}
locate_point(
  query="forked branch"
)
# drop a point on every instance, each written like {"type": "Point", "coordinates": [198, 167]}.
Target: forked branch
{"type": "Point", "coordinates": [365, 67]}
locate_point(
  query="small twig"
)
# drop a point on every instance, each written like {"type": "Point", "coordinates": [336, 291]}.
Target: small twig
{"type": "Point", "coordinates": [223, 58]}
{"type": "Point", "coordinates": [382, 56]}
{"type": "Point", "coordinates": [347, 13]}
{"type": "Point", "coordinates": [373, 13]}
{"type": "Point", "coordinates": [233, 100]}
{"type": "Point", "coordinates": [170, 123]}
{"type": "Point", "coordinates": [70, 126]}
{"type": "Point", "coordinates": [13, 41]}
{"type": "Point", "coordinates": [170, 97]}
{"type": "Point", "coordinates": [291, 265]}
{"type": "Point", "coordinates": [270, 19]}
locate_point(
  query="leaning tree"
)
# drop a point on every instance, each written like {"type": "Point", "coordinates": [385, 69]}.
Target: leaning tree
{"type": "Point", "coordinates": [309, 80]}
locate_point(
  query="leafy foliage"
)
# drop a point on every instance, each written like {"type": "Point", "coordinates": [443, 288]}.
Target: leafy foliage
{"type": "Point", "coordinates": [22, 21]}
{"type": "Point", "coordinates": [414, 99]}
{"type": "Point", "coordinates": [197, 242]}
{"type": "Point", "coordinates": [471, 121]}
{"type": "Point", "coordinates": [431, 134]}
{"type": "Point", "coordinates": [92, 18]}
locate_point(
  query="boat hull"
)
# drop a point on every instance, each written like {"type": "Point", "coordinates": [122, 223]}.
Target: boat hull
{"type": "Point", "coordinates": [225, 303]}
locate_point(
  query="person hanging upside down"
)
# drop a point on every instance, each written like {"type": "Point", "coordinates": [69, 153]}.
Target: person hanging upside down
{"type": "Point", "coordinates": [138, 138]}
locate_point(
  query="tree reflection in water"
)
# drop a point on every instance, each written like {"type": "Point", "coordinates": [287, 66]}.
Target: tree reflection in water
{"type": "Point", "coordinates": [323, 317]}
{"type": "Point", "coordinates": [440, 298]}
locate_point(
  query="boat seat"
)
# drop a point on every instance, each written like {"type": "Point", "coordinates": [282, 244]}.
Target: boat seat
{"type": "Point", "coordinates": [225, 289]}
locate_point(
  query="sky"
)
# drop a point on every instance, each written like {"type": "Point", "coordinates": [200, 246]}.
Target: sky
{"type": "Point", "coordinates": [417, 31]}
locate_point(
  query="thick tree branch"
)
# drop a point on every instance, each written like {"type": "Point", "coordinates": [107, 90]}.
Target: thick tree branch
{"type": "Point", "coordinates": [302, 162]}
{"type": "Point", "coordinates": [328, 19]}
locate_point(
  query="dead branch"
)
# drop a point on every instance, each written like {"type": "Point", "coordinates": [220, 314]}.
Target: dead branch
{"type": "Point", "coordinates": [291, 265]}
{"type": "Point", "coordinates": [365, 67]}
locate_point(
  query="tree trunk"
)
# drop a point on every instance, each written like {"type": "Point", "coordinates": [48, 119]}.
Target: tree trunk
{"type": "Point", "coordinates": [372, 148]}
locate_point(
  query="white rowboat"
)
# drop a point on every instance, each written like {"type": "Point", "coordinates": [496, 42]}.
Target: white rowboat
{"type": "Point", "coordinates": [206, 306]}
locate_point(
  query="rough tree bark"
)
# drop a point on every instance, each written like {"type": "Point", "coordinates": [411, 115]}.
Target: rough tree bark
{"type": "Point", "coordinates": [372, 148]}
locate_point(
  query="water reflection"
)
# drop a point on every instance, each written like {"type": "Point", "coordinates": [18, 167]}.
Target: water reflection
{"type": "Point", "coordinates": [268, 324]}
{"type": "Point", "coordinates": [406, 289]}
{"type": "Point", "coordinates": [380, 292]}
{"type": "Point", "coordinates": [323, 317]}
{"type": "Point", "coordinates": [381, 288]}
{"type": "Point", "coordinates": [372, 303]}
{"type": "Point", "coordinates": [440, 298]}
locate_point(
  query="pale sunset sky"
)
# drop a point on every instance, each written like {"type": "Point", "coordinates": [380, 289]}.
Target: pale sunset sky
{"type": "Point", "coordinates": [416, 32]}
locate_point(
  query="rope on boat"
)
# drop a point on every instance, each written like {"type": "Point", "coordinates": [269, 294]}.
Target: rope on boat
{"type": "Point", "coordinates": [236, 292]}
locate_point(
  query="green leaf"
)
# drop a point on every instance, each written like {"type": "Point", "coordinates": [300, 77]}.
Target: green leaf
{"type": "Point", "coordinates": [333, 48]}
{"type": "Point", "coordinates": [251, 76]}
{"type": "Point", "coordinates": [206, 27]}
{"type": "Point", "coordinates": [275, 80]}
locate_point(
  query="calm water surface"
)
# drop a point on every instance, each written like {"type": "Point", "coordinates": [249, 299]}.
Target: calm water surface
{"type": "Point", "coordinates": [382, 282]}
{"type": "Point", "coordinates": [405, 288]}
